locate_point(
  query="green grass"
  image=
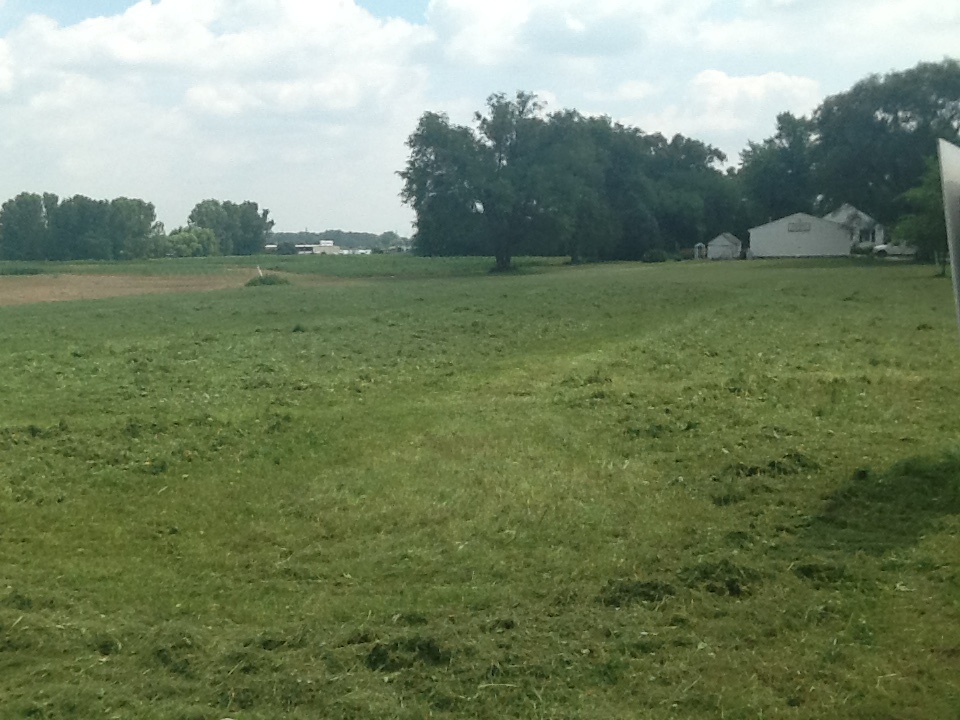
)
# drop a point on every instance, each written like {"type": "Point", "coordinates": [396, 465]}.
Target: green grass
{"type": "Point", "coordinates": [391, 266]}
{"type": "Point", "coordinates": [682, 490]}
{"type": "Point", "coordinates": [19, 269]}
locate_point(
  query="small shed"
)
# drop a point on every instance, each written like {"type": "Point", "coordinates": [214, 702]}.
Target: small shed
{"type": "Point", "coordinates": [800, 235]}
{"type": "Point", "coordinates": [724, 247]}
{"type": "Point", "coordinates": [699, 251]}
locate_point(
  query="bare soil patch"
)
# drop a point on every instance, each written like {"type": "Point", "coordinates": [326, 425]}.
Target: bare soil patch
{"type": "Point", "coordinates": [24, 289]}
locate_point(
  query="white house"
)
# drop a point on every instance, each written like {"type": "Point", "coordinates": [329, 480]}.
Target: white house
{"type": "Point", "coordinates": [800, 235]}
{"type": "Point", "coordinates": [724, 247]}
{"type": "Point", "coordinates": [863, 229]}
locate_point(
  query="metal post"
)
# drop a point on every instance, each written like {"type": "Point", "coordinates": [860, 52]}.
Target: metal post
{"type": "Point", "coordinates": [950, 179]}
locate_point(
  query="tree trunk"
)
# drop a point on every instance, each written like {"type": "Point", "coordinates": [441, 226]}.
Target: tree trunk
{"type": "Point", "coordinates": [941, 259]}
{"type": "Point", "coordinates": [502, 246]}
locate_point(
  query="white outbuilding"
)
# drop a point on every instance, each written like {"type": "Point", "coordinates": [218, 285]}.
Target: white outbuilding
{"type": "Point", "coordinates": [724, 247]}
{"type": "Point", "coordinates": [800, 235]}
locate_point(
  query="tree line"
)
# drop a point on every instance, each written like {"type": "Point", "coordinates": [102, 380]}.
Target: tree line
{"type": "Point", "coordinates": [44, 227]}
{"type": "Point", "coordinates": [559, 184]}
{"type": "Point", "coordinates": [522, 181]}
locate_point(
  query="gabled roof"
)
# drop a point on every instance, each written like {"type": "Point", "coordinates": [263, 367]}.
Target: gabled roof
{"type": "Point", "coordinates": [798, 217]}
{"type": "Point", "coordinates": [848, 216]}
{"type": "Point", "coordinates": [728, 238]}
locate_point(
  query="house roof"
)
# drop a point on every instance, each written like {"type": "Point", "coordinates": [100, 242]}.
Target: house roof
{"type": "Point", "coordinates": [848, 216]}
{"type": "Point", "coordinates": [796, 217]}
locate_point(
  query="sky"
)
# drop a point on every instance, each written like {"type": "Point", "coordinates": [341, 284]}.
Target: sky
{"type": "Point", "coordinates": [304, 106]}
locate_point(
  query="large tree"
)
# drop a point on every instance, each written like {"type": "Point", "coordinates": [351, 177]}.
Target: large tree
{"type": "Point", "coordinates": [629, 188]}
{"type": "Point", "coordinates": [559, 184]}
{"type": "Point", "coordinates": [23, 228]}
{"type": "Point", "coordinates": [131, 227]}
{"type": "Point", "coordinates": [79, 229]}
{"type": "Point", "coordinates": [241, 229]}
{"type": "Point", "coordinates": [694, 200]}
{"type": "Point", "coordinates": [924, 225]}
{"type": "Point", "coordinates": [441, 184]}
{"type": "Point", "coordinates": [776, 174]}
{"type": "Point", "coordinates": [476, 192]}
{"type": "Point", "coordinates": [873, 140]}
{"type": "Point", "coordinates": [510, 197]}
{"type": "Point", "coordinates": [577, 178]}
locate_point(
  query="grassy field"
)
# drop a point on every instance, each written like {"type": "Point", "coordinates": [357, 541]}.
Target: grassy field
{"type": "Point", "coordinates": [688, 490]}
{"type": "Point", "coordinates": [384, 266]}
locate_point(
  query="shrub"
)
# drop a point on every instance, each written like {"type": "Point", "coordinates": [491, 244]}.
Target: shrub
{"type": "Point", "coordinates": [654, 255]}
{"type": "Point", "coordinates": [267, 280]}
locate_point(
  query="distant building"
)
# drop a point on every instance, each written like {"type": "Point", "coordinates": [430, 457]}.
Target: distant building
{"type": "Point", "coordinates": [324, 247]}
{"type": "Point", "coordinates": [724, 247]}
{"type": "Point", "coordinates": [836, 234]}
{"type": "Point", "coordinates": [863, 229]}
{"type": "Point", "coordinates": [800, 235]}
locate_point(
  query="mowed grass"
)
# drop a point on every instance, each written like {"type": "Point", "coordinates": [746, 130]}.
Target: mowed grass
{"type": "Point", "coordinates": [689, 490]}
{"type": "Point", "coordinates": [384, 266]}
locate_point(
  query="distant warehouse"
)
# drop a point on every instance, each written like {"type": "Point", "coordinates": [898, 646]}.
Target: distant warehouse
{"type": "Point", "coordinates": [324, 247]}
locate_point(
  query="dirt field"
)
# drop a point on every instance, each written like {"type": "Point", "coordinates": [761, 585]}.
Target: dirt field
{"type": "Point", "coordinates": [23, 289]}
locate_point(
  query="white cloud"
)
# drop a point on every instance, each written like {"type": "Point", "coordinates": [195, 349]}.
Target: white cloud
{"type": "Point", "coordinates": [737, 103]}
{"type": "Point", "coordinates": [224, 99]}
{"type": "Point", "coordinates": [200, 96]}
{"type": "Point", "coordinates": [727, 111]}
{"type": "Point", "coordinates": [747, 36]}
{"type": "Point", "coordinates": [501, 32]}
{"type": "Point", "coordinates": [482, 34]}
{"type": "Point", "coordinates": [6, 68]}
{"type": "Point", "coordinates": [839, 41]}
{"type": "Point", "coordinates": [633, 90]}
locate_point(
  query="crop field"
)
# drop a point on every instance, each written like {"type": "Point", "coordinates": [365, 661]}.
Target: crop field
{"type": "Point", "coordinates": [412, 489]}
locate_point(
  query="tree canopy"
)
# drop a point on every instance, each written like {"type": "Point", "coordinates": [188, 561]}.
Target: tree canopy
{"type": "Point", "coordinates": [873, 140]}
{"type": "Point", "coordinates": [522, 181]}
{"type": "Point", "coordinates": [924, 222]}
{"type": "Point", "coordinates": [776, 175]}
{"type": "Point", "coordinates": [867, 146]}
{"type": "Point", "coordinates": [240, 229]}
{"type": "Point", "coordinates": [44, 227]}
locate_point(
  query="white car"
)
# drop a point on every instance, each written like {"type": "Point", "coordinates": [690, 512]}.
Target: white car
{"type": "Point", "coordinates": [894, 251]}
